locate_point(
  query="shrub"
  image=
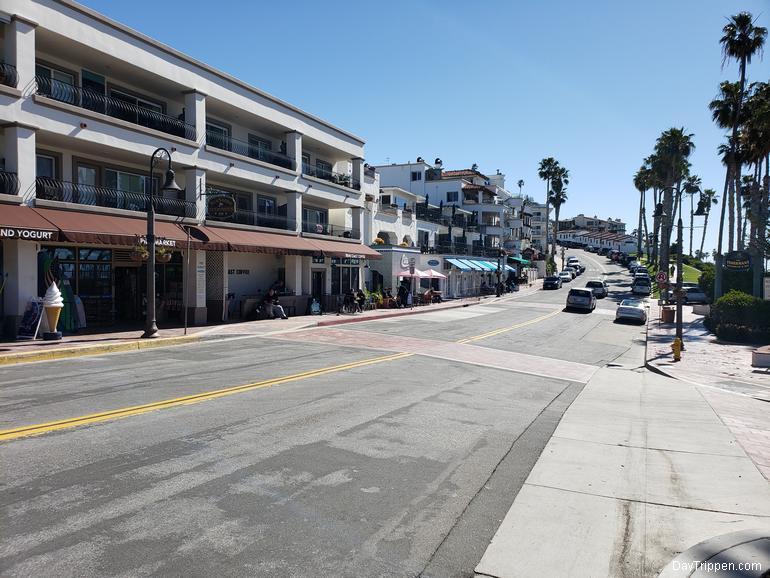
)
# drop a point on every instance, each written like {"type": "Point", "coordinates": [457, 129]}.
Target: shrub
{"type": "Point", "coordinates": [738, 316]}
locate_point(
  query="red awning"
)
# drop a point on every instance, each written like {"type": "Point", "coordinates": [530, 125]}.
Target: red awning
{"type": "Point", "coordinates": [244, 241]}
{"type": "Point", "coordinates": [92, 228]}
{"type": "Point", "coordinates": [343, 249]}
{"type": "Point", "coordinates": [22, 222]}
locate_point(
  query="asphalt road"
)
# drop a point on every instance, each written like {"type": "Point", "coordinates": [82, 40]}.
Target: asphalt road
{"type": "Point", "coordinates": [362, 463]}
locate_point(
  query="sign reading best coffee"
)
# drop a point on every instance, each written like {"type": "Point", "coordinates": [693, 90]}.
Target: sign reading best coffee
{"type": "Point", "coordinates": [27, 234]}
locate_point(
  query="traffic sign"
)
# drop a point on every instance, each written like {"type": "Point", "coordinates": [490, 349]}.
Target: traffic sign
{"type": "Point", "coordinates": [661, 277]}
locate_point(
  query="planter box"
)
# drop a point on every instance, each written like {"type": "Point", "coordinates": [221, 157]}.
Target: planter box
{"type": "Point", "coordinates": [701, 309]}
{"type": "Point", "coordinates": [760, 357]}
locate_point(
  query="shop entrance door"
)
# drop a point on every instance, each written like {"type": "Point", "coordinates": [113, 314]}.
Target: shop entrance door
{"type": "Point", "coordinates": [128, 294]}
{"type": "Point", "coordinates": [318, 284]}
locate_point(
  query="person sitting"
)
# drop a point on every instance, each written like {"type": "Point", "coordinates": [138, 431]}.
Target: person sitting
{"type": "Point", "coordinates": [360, 300]}
{"type": "Point", "coordinates": [272, 306]}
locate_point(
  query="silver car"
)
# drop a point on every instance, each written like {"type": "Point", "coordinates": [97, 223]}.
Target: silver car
{"type": "Point", "coordinates": [631, 310]}
{"type": "Point", "coordinates": [581, 299]}
{"type": "Point", "coordinates": [598, 287]}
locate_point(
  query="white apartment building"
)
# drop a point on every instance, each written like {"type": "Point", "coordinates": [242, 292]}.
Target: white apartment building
{"type": "Point", "coordinates": [538, 224]}
{"type": "Point", "coordinates": [581, 222]}
{"type": "Point", "coordinates": [84, 103]}
{"type": "Point", "coordinates": [489, 216]}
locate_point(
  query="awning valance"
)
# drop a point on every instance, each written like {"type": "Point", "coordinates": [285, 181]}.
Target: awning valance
{"type": "Point", "coordinates": [80, 227]}
{"type": "Point", "coordinates": [245, 241]}
{"type": "Point", "coordinates": [22, 222]}
{"type": "Point", "coordinates": [520, 260]}
{"type": "Point", "coordinates": [459, 264]}
{"type": "Point", "coordinates": [343, 249]}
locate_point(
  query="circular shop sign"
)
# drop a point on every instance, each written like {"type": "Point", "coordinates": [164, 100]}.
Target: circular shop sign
{"type": "Point", "coordinates": [433, 263]}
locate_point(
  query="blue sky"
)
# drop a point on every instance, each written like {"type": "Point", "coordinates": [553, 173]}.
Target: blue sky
{"type": "Point", "coordinates": [499, 83]}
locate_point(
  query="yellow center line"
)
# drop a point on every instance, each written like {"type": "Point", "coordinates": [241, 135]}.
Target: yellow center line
{"type": "Point", "coordinates": [511, 328]}
{"type": "Point", "coordinates": [37, 429]}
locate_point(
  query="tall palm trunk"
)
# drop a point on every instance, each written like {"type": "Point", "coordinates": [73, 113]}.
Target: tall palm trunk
{"type": "Point", "coordinates": [646, 232]}
{"type": "Point", "coordinates": [639, 228]}
{"type": "Point", "coordinates": [655, 228]}
{"type": "Point", "coordinates": [705, 226]}
{"type": "Point", "coordinates": [692, 222]}
{"type": "Point", "coordinates": [731, 216]}
{"type": "Point", "coordinates": [739, 226]}
{"type": "Point", "coordinates": [547, 206]}
{"type": "Point", "coordinates": [718, 269]}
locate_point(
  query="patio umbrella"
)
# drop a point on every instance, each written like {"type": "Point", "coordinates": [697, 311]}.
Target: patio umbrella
{"type": "Point", "coordinates": [433, 274]}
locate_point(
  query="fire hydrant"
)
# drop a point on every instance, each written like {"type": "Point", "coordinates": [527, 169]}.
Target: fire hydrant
{"type": "Point", "coordinates": [676, 347]}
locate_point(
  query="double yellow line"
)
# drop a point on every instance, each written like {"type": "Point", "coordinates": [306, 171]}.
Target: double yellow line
{"type": "Point", "coordinates": [33, 430]}
{"type": "Point", "coordinates": [38, 429]}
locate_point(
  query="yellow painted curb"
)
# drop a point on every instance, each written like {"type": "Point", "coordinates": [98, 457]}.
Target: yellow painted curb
{"type": "Point", "coordinates": [86, 350]}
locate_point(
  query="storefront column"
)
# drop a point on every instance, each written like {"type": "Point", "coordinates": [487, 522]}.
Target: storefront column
{"type": "Point", "coordinates": [20, 145]}
{"type": "Point", "coordinates": [358, 222]}
{"type": "Point", "coordinates": [20, 50]}
{"type": "Point", "coordinates": [294, 273]}
{"type": "Point", "coordinates": [294, 149]}
{"type": "Point", "coordinates": [307, 275]}
{"type": "Point", "coordinates": [195, 284]}
{"type": "Point", "coordinates": [195, 186]}
{"type": "Point", "coordinates": [195, 112]}
{"type": "Point", "coordinates": [294, 210]}
{"type": "Point", "coordinates": [20, 267]}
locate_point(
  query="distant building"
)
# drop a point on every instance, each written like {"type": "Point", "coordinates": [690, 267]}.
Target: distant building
{"type": "Point", "coordinates": [592, 224]}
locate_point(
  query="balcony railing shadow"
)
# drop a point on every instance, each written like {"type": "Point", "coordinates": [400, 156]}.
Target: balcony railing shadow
{"type": "Point", "coordinates": [250, 150]}
{"type": "Point", "coordinates": [330, 230]}
{"type": "Point", "coordinates": [114, 107]}
{"type": "Point", "coordinates": [257, 219]}
{"type": "Point", "coordinates": [55, 190]}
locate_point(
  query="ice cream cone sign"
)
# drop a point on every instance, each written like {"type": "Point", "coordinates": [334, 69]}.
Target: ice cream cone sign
{"type": "Point", "coordinates": [53, 304]}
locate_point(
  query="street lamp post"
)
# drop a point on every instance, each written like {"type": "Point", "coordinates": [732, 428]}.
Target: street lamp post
{"type": "Point", "coordinates": [169, 184]}
{"type": "Point", "coordinates": [500, 254]}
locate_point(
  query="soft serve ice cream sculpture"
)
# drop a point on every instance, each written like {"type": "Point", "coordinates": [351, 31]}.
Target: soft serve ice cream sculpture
{"type": "Point", "coordinates": [53, 303]}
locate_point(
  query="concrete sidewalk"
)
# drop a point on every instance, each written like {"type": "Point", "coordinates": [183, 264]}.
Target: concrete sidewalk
{"type": "Point", "coordinates": [639, 470]}
{"type": "Point", "coordinates": [93, 343]}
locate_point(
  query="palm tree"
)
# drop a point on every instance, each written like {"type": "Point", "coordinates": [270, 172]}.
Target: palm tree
{"type": "Point", "coordinates": [546, 172]}
{"type": "Point", "coordinates": [741, 40]}
{"type": "Point", "coordinates": [520, 184]}
{"type": "Point", "coordinates": [557, 197]}
{"type": "Point", "coordinates": [672, 149]}
{"type": "Point", "coordinates": [710, 198]}
{"type": "Point", "coordinates": [692, 185]}
{"type": "Point", "coordinates": [642, 182]}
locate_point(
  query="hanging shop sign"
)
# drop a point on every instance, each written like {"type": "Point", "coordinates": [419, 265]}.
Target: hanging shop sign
{"type": "Point", "coordinates": [26, 234]}
{"type": "Point", "coordinates": [737, 261]}
{"type": "Point", "coordinates": [220, 206]}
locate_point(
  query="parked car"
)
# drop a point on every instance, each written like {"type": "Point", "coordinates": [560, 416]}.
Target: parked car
{"type": "Point", "coordinates": [553, 282]}
{"type": "Point", "coordinates": [592, 249]}
{"type": "Point", "coordinates": [691, 294]}
{"type": "Point", "coordinates": [604, 251]}
{"type": "Point", "coordinates": [641, 286]}
{"type": "Point", "coordinates": [574, 263]}
{"type": "Point", "coordinates": [598, 287]}
{"type": "Point", "coordinates": [581, 298]}
{"type": "Point", "coordinates": [641, 273]}
{"type": "Point", "coordinates": [631, 310]}
{"type": "Point", "coordinates": [565, 276]}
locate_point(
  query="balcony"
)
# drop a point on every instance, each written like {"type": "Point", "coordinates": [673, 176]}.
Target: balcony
{"type": "Point", "coordinates": [8, 75]}
{"type": "Point", "coordinates": [330, 230]}
{"type": "Point", "coordinates": [337, 178]}
{"type": "Point", "coordinates": [250, 150]}
{"type": "Point", "coordinates": [257, 219]}
{"type": "Point", "coordinates": [9, 183]}
{"type": "Point", "coordinates": [431, 215]}
{"type": "Point", "coordinates": [97, 102]}
{"type": "Point", "coordinates": [55, 190]}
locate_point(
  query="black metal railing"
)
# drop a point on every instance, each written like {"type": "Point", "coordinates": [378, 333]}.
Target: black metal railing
{"type": "Point", "coordinates": [327, 175]}
{"type": "Point", "coordinates": [331, 230]}
{"type": "Point", "coordinates": [55, 190]}
{"type": "Point", "coordinates": [431, 214]}
{"type": "Point", "coordinates": [8, 75]}
{"type": "Point", "coordinates": [247, 149]}
{"type": "Point", "coordinates": [114, 107]}
{"type": "Point", "coordinates": [9, 183]}
{"type": "Point", "coordinates": [257, 219]}
{"type": "Point", "coordinates": [369, 172]}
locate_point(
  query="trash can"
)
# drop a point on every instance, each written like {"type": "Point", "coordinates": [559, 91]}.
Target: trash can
{"type": "Point", "coordinates": [668, 314]}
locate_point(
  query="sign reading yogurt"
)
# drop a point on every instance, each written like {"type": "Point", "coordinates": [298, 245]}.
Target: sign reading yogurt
{"type": "Point", "coordinates": [26, 234]}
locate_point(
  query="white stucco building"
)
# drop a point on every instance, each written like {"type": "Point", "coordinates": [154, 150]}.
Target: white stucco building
{"type": "Point", "coordinates": [84, 103]}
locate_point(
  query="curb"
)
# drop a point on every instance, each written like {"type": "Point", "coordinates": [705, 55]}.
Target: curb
{"type": "Point", "coordinates": [86, 350]}
{"type": "Point", "coordinates": [390, 315]}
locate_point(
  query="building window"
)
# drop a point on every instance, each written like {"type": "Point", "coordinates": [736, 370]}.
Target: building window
{"type": "Point", "coordinates": [452, 196]}
{"type": "Point", "coordinates": [416, 175]}
{"type": "Point", "coordinates": [266, 205]}
{"type": "Point", "coordinates": [217, 135]}
{"type": "Point", "coordinates": [140, 111]}
{"type": "Point", "coordinates": [59, 83]}
{"type": "Point", "coordinates": [323, 168]}
{"type": "Point", "coordinates": [258, 147]}
{"type": "Point", "coordinates": [46, 166]}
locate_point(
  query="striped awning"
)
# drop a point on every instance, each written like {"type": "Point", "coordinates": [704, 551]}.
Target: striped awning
{"type": "Point", "coordinates": [459, 264]}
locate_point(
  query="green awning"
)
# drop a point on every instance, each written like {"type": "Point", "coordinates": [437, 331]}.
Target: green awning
{"type": "Point", "coordinates": [520, 260]}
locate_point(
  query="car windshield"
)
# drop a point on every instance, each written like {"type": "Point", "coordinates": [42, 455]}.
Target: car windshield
{"type": "Point", "coordinates": [630, 303]}
{"type": "Point", "coordinates": [594, 284]}
{"type": "Point", "coordinates": [551, 278]}
{"type": "Point", "coordinates": [578, 292]}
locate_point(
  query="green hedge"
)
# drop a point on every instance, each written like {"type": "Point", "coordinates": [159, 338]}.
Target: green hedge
{"type": "Point", "coordinates": [738, 316]}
